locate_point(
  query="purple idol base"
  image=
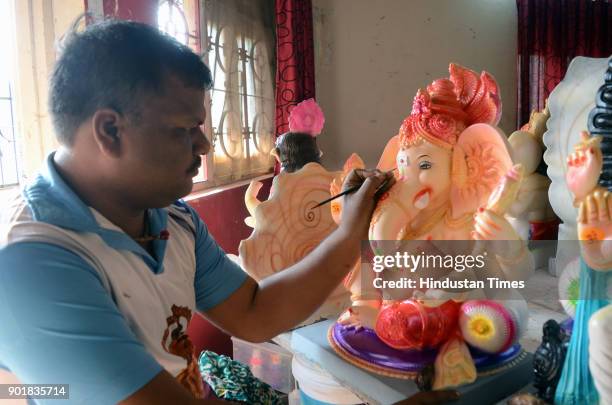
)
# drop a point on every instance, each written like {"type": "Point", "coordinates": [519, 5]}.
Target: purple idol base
{"type": "Point", "coordinates": [363, 348]}
{"type": "Point", "coordinates": [567, 326]}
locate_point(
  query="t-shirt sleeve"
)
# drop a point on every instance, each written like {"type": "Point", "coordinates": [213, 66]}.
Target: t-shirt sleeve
{"type": "Point", "coordinates": [59, 325]}
{"type": "Point", "coordinates": [217, 276]}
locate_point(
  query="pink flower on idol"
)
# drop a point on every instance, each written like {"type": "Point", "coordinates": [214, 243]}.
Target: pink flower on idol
{"type": "Point", "coordinates": [421, 103]}
{"type": "Point", "coordinates": [307, 117]}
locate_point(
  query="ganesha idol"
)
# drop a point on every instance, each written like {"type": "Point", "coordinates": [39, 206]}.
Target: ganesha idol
{"type": "Point", "coordinates": [586, 377]}
{"type": "Point", "coordinates": [531, 214]}
{"type": "Point", "coordinates": [455, 182]}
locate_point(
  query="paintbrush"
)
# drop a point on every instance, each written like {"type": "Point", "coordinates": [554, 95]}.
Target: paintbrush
{"type": "Point", "coordinates": [350, 190]}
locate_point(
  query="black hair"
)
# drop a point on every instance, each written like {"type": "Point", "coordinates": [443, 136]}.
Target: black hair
{"type": "Point", "coordinates": [295, 149]}
{"type": "Point", "coordinates": [112, 64]}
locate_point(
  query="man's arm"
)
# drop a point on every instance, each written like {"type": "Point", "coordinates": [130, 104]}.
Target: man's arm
{"type": "Point", "coordinates": [259, 312]}
{"type": "Point", "coordinates": [164, 389]}
{"type": "Point", "coordinates": [60, 326]}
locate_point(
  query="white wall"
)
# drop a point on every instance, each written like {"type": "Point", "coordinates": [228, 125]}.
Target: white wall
{"type": "Point", "coordinates": [39, 24]}
{"type": "Point", "coordinates": [371, 56]}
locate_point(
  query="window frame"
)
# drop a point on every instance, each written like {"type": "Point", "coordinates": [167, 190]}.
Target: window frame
{"type": "Point", "coordinates": [212, 183]}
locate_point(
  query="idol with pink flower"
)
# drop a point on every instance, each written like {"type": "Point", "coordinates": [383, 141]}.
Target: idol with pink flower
{"type": "Point", "coordinates": [294, 149]}
{"type": "Point", "coordinates": [288, 225]}
{"type": "Point", "coordinates": [299, 146]}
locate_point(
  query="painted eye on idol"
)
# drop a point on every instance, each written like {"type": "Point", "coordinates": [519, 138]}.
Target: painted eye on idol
{"type": "Point", "coordinates": [425, 165]}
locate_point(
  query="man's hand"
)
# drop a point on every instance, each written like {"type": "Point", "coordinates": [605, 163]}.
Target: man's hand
{"type": "Point", "coordinates": [359, 205]}
{"type": "Point", "coordinates": [430, 398]}
{"type": "Point", "coordinates": [259, 311]}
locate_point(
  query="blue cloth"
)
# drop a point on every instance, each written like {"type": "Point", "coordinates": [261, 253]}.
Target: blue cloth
{"type": "Point", "coordinates": [576, 384]}
{"type": "Point", "coordinates": [58, 324]}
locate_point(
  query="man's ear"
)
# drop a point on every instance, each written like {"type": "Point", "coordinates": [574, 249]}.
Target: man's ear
{"type": "Point", "coordinates": [107, 127]}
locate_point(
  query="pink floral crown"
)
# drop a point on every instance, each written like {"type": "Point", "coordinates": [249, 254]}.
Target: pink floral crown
{"type": "Point", "coordinates": [447, 106]}
{"type": "Point", "coordinates": [307, 117]}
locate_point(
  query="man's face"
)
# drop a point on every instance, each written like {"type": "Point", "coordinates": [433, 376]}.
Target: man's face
{"type": "Point", "coordinates": [162, 148]}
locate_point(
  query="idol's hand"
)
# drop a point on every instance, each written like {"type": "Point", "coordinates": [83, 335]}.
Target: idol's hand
{"type": "Point", "coordinates": [251, 201]}
{"type": "Point", "coordinates": [595, 229]}
{"type": "Point", "coordinates": [489, 226]}
{"type": "Point", "coordinates": [254, 188]}
{"type": "Point", "coordinates": [361, 314]}
{"type": "Point", "coordinates": [584, 167]}
{"type": "Point", "coordinates": [594, 203]}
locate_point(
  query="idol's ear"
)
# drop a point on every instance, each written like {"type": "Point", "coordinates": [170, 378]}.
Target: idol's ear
{"type": "Point", "coordinates": [481, 157]}
{"type": "Point", "coordinates": [387, 159]}
{"type": "Point", "coordinates": [274, 152]}
{"type": "Point", "coordinates": [353, 162]}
